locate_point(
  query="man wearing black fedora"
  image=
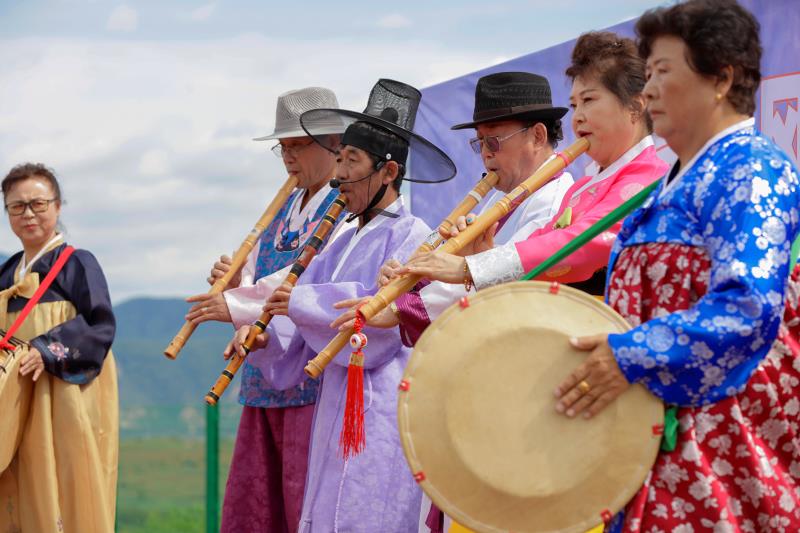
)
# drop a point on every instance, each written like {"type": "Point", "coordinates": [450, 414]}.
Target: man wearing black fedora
{"type": "Point", "coordinates": [517, 129]}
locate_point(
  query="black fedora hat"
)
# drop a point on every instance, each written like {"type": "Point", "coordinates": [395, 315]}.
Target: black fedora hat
{"type": "Point", "coordinates": [392, 109]}
{"type": "Point", "coordinates": [512, 96]}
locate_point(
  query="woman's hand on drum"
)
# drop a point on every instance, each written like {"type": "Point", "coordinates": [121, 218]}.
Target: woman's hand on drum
{"type": "Point", "coordinates": [32, 362]}
{"type": "Point", "coordinates": [595, 383]}
{"type": "Point", "coordinates": [236, 344]}
{"type": "Point", "coordinates": [221, 268]}
{"type": "Point", "coordinates": [208, 307]}
{"type": "Point", "coordinates": [386, 318]}
{"type": "Point", "coordinates": [278, 303]}
{"type": "Point", "coordinates": [483, 242]}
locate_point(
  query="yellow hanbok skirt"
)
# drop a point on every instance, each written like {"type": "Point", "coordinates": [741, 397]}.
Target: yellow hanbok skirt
{"type": "Point", "coordinates": [60, 441]}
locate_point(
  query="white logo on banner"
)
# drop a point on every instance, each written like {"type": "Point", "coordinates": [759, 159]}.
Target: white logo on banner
{"type": "Point", "coordinates": [779, 111]}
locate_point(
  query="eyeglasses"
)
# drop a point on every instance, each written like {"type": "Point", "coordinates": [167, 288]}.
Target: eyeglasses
{"type": "Point", "coordinates": [492, 142]}
{"type": "Point", "coordinates": [39, 205]}
{"type": "Point", "coordinates": [279, 149]}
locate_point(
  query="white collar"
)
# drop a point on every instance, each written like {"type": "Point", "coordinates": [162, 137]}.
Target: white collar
{"type": "Point", "coordinates": [594, 169]}
{"type": "Point", "coordinates": [24, 266]}
{"type": "Point", "coordinates": [373, 224]}
{"type": "Point", "coordinates": [746, 123]}
{"type": "Point", "coordinates": [299, 216]}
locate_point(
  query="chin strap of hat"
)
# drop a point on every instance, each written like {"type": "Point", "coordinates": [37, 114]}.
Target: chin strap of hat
{"type": "Point", "coordinates": [370, 209]}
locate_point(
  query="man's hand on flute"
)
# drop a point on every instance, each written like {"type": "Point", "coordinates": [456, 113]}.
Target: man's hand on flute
{"type": "Point", "coordinates": [386, 318]}
{"type": "Point", "coordinates": [480, 244]}
{"type": "Point", "coordinates": [278, 303]}
{"type": "Point", "coordinates": [221, 268]}
{"type": "Point", "coordinates": [389, 270]}
{"type": "Point", "coordinates": [236, 344]}
{"type": "Point", "coordinates": [208, 307]}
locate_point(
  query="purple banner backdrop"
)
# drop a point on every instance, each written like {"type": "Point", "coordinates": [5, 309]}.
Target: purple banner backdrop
{"type": "Point", "coordinates": [451, 102]}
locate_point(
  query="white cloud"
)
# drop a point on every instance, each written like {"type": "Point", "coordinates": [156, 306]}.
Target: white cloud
{"type": "Point", "coordinates": [123, 18]}
{"type": "Point", "coordinates": [394, 21]}
{"type": "Point", "coordinates": [203, 12]}
{"type": "Point", "coordinates": [152, 140]}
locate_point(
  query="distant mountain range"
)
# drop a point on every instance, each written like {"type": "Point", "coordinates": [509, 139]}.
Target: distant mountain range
{"type": "Point", "coordinates": [160, 396]}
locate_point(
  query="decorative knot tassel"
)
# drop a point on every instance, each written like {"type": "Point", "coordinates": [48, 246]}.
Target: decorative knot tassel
{"type": "Point", "coordinates": [353, 437]}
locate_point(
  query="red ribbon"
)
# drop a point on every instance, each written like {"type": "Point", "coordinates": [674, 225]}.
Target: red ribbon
{"type": "Point", "coordinates": [353, 437]}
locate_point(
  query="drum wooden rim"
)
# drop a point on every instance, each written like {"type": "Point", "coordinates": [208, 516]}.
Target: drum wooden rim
{"type": "Point", "coordinates": [473, 452]}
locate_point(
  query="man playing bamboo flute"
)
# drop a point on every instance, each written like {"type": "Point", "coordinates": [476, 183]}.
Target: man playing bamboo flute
{"type": "Point", "coordinates": [518, 129]}
{"type": "Point", "coordinates": [372, 490]}
{"type": "Point", "coordinates": [268, 470]}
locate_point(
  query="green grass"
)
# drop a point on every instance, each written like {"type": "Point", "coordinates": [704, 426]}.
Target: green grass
{"type": "Point", "coordinates": [162, 484]}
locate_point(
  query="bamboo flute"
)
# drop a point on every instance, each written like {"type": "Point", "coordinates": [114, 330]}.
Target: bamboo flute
{"type": "Point", "coordinates": [310, 250]}
{"type": "Point", "coordinates": [473, 198]}
{"type": "Point", "coordinates": [390, 292]}
{"type": "Point", "coordinates": [238, 260]}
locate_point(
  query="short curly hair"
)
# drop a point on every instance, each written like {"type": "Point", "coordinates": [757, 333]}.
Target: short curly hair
{"type": "Point", "coordinates": [717, 33]}
{"type": "Point", "coordinates": [26, 171]}
{"type": "Point", "coordinates": [615, 62]}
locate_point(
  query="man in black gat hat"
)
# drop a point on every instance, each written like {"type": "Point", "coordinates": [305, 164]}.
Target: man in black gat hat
{"type": "Point", "coordinates": [371, 162]}
{"type": "Point", "coordinates": [517, 130]}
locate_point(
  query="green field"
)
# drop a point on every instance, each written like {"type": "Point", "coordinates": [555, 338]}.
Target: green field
{"type": "Point", "coordinates": [162, 484]}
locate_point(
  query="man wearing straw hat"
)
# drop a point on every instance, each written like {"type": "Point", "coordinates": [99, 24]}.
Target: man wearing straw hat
{"type": "Point", "coordinates": [354, 488]}
{"type": "Point", "coordinates": [265, 485]}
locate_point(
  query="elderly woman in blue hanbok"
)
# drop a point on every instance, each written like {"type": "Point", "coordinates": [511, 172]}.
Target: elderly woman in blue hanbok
{"type": "Point", "coordinates": [701, 273]}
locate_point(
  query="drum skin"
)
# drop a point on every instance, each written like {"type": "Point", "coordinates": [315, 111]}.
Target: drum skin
{"type": "Point", "coordinates": [478, 423]}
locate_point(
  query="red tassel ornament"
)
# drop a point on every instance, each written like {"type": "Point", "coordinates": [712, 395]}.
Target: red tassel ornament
{"type": "Point", "coordinates": [353, 437]}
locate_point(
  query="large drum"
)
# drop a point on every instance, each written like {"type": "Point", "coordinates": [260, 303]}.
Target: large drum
{"type": "Point", "coordinates": [478, 422]}
{"type": "Point", "coordinates": [16, 392]}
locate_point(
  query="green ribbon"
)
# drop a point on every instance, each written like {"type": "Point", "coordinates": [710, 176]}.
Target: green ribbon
{"type": "Point", "coordinates": [670, 438]}
{"type": "Point", "coordinates": [793, 256]}
{"type": "Point", "coordinates": [594, 230]}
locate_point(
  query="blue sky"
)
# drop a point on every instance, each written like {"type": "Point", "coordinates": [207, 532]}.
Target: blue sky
{"type": "Point", "coordinates": [146, 110]}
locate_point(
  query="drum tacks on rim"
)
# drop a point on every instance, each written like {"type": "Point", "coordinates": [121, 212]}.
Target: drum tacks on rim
{"type": "Point", "coordinates": [478, 423]}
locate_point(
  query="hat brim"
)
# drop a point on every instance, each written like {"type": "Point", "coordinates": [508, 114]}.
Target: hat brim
{"type": "Point", "coordinates": [300, 132]}
{"type": "Point", "coordinates": [478, 421]}
{"type": "Point", "coordinates": [438, 165]}
{"type": "Point", "coordinates": [553, 113]}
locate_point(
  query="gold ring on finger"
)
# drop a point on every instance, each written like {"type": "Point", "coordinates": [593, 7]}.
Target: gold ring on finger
{"type": "Point", "coordinates": [584, 387]}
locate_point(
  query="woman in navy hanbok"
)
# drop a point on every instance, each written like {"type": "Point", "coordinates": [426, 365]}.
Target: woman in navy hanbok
{"type": "Point", "coordinates": [61, 474]}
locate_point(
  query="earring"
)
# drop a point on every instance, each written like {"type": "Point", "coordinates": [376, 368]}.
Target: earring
{"type": "Point", "coordinates": [718, 97]}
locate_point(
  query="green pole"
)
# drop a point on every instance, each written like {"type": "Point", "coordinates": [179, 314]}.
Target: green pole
{"type": "Point", "coordinates": [212, 469]}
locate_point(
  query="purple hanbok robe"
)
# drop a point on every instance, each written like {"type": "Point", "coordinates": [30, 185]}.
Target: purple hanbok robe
{"type": "Point", "coordinates": [375, 490]}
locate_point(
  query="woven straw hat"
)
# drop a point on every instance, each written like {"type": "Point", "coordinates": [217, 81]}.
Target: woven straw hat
{"type": "Point", "coordinates": [293, 104]}
{"type": "Point", "coordinates": [478, 422]}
